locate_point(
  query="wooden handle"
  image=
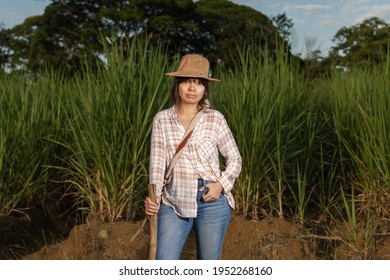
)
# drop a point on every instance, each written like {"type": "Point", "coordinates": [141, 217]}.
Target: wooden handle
{"type": "Point", "coordinates": [153, 224]}
{"type": "Point", "coordinates": [152, 192]}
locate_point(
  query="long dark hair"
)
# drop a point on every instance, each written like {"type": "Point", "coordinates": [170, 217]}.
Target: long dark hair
{"type": "Point", "coordinates": [175, 90]}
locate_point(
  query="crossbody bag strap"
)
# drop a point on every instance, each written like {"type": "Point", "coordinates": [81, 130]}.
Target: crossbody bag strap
{"type": "Point", "coordinates": [179, 149]}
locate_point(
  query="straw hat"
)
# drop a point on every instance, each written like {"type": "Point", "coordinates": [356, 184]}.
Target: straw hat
{"type": "Point", "coordinates": [193, 66]}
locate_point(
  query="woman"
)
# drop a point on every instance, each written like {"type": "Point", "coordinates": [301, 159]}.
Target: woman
{"type": "Point", "coordinates": [197, 194]}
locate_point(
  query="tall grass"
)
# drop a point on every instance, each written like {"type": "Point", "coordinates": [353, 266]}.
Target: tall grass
{"type": "Point", "coordinates": [90, 133]}
{"type": "Point", "coordinates": [355, 105]}
{"type": "Point", "coordinates": [30, 112]}
{"type": "Point", "coordinates": [266, 105]}
{"type": "Point", "coordinates": [358, 103]}
{"type": "Point", "coordinates": [110, 121]}
{"type": "Point", "coordinates": [303, 145]}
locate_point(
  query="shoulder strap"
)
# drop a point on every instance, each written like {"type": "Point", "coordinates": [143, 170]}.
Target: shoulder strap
{"type": "Point", "coordinates": [183, 142]}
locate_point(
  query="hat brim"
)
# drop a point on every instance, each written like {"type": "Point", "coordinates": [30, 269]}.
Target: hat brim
{"type": "Point", "coordinates": [191, 75]}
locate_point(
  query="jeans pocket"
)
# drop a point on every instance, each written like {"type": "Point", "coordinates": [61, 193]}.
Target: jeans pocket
{"type": "Point", "coordinates": [202, 183]}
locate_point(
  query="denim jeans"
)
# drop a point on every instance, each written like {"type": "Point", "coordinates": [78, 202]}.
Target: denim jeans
{"type": "Point", "coordinates": [210, 227]}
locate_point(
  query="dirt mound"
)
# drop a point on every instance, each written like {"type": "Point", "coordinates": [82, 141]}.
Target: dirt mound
{"type": "Point", "coordinates": [270, 238]}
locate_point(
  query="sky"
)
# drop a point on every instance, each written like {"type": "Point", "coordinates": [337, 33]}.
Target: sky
{"type": "Point", "coordinates": [315, 22]}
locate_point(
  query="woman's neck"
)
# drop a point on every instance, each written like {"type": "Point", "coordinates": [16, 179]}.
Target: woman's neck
{"type": "Point", "coordinates": [185, 113]}
{"type": "Point", "coordinates": [186, 109]}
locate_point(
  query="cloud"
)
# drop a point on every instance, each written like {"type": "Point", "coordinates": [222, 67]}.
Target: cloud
{"type": "Point", "coordinates": [362, 1]}
{"type": "Point", "coordinates": [356, 14]}
{"type": "Point", "coordinates": [380, 11]}
{"type": "Point", "coordinates": [326, 21]}
{"type": "Point", "coordinates": [298, 20]}
{"type": "Point", "coordinates": [351, 13]}
{"type": "Point", "coordinates": [309, 9]}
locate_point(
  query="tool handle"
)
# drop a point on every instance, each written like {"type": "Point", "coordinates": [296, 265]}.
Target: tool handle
{"type": "Point", "coordinates": [153, 224]}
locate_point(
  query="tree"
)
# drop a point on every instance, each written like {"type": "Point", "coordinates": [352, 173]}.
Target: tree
{"type": "Point", "coordinates": [284, 25]}
{"type": "Point", "coordinates": [64, 37]}
{"type": "Point", "coordinates": [315, 64]}
{"type": "Point", "coordinates": [5, 51]}
{"type": "Point", "coordinates": [364, 43]}
{"type": "Point", "coordinates": [224, 26]}
{"type": "Point", "coordinates": [69, 32]}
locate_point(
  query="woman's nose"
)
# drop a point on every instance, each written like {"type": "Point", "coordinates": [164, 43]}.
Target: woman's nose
{"type": "Point", "coordinates": [192, 86]}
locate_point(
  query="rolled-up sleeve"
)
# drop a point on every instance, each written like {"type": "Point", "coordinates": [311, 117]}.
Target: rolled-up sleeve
{"type": "Point", "coordinates": [228, 148]}
{"type": "Point", "coordinates": [157, 162]}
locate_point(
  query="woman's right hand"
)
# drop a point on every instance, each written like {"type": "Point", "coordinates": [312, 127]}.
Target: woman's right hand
{"type": "Point", "coordinates": [151, 207]}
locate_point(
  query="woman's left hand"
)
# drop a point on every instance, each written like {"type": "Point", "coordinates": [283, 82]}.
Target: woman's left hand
{"type": "Point", "coordinates": [213, 193]}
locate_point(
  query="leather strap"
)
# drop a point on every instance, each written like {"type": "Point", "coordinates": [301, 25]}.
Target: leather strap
{"type": "Point", "coordinates": [183, 142]}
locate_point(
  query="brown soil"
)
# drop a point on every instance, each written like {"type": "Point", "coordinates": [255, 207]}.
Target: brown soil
{"type": "Point", "coordinates": [271, 238]}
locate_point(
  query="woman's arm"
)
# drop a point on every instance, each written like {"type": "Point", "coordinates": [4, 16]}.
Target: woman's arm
{"type": "Point", "coordinates": [157, 160]}
{"type": "Point", "coordinates": [228, 148]}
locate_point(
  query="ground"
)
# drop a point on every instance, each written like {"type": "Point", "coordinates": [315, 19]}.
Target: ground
{"type": "Point", "coordinates": [270, 238]}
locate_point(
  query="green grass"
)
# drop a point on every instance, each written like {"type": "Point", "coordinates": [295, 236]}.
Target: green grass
{"type": "Point", "coordinates": [30, 112]}
{"type": "Point", "coordinates": [357, 105]}
{"type": "Point", "coordinates": [266, 104]}
{"type": "Point", "coordinates": [304, 146]}
{"type": "Point", "coordinates": [110, 116]}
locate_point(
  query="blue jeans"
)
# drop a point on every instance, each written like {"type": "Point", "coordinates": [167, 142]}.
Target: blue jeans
{"type": "Point", "coordinates": [210, 227]}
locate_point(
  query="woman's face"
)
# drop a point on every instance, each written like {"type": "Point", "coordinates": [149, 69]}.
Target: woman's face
{"type": "Point", "coordinates": [191, 91]}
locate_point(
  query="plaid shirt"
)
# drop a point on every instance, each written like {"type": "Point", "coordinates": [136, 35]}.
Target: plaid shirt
{"type": "Point", "coordinates": [199, 159]}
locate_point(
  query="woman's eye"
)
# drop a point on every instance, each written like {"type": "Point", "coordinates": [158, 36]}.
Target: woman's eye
{"type": "Point", "coordinates": [196, 82]}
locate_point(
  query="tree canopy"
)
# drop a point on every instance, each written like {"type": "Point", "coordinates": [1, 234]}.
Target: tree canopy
{"type": "Point", "coordinates": [365, 43]}
{"type": "Point", "coordinates": [70, 31]}
{"type": "Point", "coordinates": [4, 47]}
